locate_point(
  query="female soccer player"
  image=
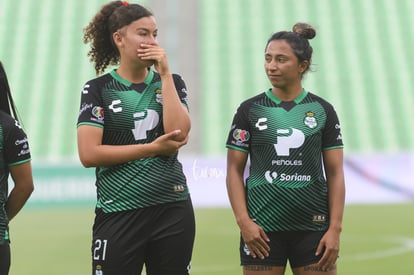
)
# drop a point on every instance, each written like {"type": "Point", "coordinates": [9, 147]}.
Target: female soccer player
{"type": "Point", "coordinates": [132, 122]}
{"type": "Point", "coordinates": [291, 206]}
{"type": "Point", "coordinates": [15, 160]}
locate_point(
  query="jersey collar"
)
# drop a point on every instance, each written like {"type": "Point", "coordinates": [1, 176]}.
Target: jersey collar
{"type": "Point", "coordinates": [277, 100]}
{"type": "Point", "coordinates": [125, 82]}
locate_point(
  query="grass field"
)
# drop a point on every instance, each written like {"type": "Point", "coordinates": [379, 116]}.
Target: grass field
{"type": "Point", "coordinates": [376, 239]}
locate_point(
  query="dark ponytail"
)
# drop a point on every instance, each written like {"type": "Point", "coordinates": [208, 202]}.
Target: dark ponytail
{"type": "Point", "coordinates": [6, 99]}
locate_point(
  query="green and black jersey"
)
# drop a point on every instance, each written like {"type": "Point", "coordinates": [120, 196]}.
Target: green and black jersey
{"type": "Point", "coordinates": [132, 114]}
{"type": "Point", "coordinates": [286, 186]}
{"type": "Point", "coordinates": [14, 150]}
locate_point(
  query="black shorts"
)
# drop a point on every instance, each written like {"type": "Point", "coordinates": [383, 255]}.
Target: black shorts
{"type": "Point", "coordinates": [161, 237]}
{"type": "Point", "coordinates": [4, 258]}
{"type": "Point", "coordinates": [297, 247]}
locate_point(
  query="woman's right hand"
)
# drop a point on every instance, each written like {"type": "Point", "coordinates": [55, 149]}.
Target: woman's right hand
{"type": "Point", "coordinates": [256, 239]}
{"type": "Point", "coordinates": [168, 144]}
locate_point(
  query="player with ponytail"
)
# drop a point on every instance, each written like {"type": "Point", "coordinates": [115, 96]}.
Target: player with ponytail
{"type": "Point", "coordinates": [15, 160]}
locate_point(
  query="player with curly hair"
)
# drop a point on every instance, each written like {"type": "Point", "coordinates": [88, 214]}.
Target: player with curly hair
{"type": "Point", "coordinates": [132, 122]}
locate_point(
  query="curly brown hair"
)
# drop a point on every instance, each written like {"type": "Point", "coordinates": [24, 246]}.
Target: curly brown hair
{"type": "Point", "coordinates": [108, 20]}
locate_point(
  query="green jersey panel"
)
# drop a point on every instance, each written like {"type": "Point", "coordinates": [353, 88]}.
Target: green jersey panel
{"type": "Point", "coordinates": [286, 186]}
{"type": "Point", "coordinates": [132, 114]}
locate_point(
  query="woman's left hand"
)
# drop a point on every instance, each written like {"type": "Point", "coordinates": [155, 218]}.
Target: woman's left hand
{"type": "Point", "coordinates": [329, 245]}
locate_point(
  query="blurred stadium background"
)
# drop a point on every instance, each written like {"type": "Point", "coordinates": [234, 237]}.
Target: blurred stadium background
{"type": "Point", "coordinates": [362, 64]}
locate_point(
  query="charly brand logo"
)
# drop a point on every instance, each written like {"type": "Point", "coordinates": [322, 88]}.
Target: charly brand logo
{"type": "Point", "coordinates": [114, 108]}
{"type": "Point", "coordinates": [260, 124]}
{"type": "Point", "coordinates": [85, 89]}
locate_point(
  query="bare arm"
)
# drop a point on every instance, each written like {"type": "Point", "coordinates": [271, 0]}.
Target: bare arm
{"type": "Point", "coordinates": [93, 153]}
{"type": "Point", "coordinates": [253, 235]}
{"type": "Point", "coordinates": [175, 115]}
{"type": "Point", "coordinates": [23, 188]}
{"type": "Point", "coordinates": [236, 162]}
{"type": "Point", "coordinates": [333, 161]}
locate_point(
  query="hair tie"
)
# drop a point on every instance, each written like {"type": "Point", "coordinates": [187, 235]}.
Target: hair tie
{"type": "Point", "coordinates": [125, 3]}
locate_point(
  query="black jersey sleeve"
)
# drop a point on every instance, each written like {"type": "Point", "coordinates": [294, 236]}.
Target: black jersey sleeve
{"type": "Point", "coordinates": [15, 142]}
{"type": "Point", "coordinates": [181, 89]}
{"type": "Point", "coordinates": [332, 136]}
{"type": "Point", "coordinates": [239, 134]}
{"type": "Point", "coordinates": [91, 110]}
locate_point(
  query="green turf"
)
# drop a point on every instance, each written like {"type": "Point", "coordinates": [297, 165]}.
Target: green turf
{"type": "Point", "coordinates": [377, 239]}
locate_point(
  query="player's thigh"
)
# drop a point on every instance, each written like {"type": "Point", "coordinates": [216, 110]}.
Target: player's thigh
{"type": "Point", "coordinates": [115, 247]}
{"type": "Point", "coordinates": [302, 258]}
{"type": "Point", "coordinates": [4, 258]}
{"type": "Point", "coordinates": [274, 264]}
{"type": "Point", "coordinates": [172, 240]}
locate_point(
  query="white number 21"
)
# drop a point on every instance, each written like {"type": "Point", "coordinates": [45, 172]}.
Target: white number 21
{"type": "Point", "coordinates": [99, 252]}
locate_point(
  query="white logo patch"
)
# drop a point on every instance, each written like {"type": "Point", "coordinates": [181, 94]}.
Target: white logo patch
{"type": "Point", "coordinates": [288, 139]}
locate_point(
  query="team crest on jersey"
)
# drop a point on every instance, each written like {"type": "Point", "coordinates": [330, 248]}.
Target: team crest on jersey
{"type": "Point", "coordinates": [241, 135]}
{"type": "Point", "coordinates": [158, 96]}
{"type": "Point", "coordinates": [310, 120]}
{"type": "Point", "coordinates": [98, 270]}
{"type": "Point", "coordinates": [98, 112]}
